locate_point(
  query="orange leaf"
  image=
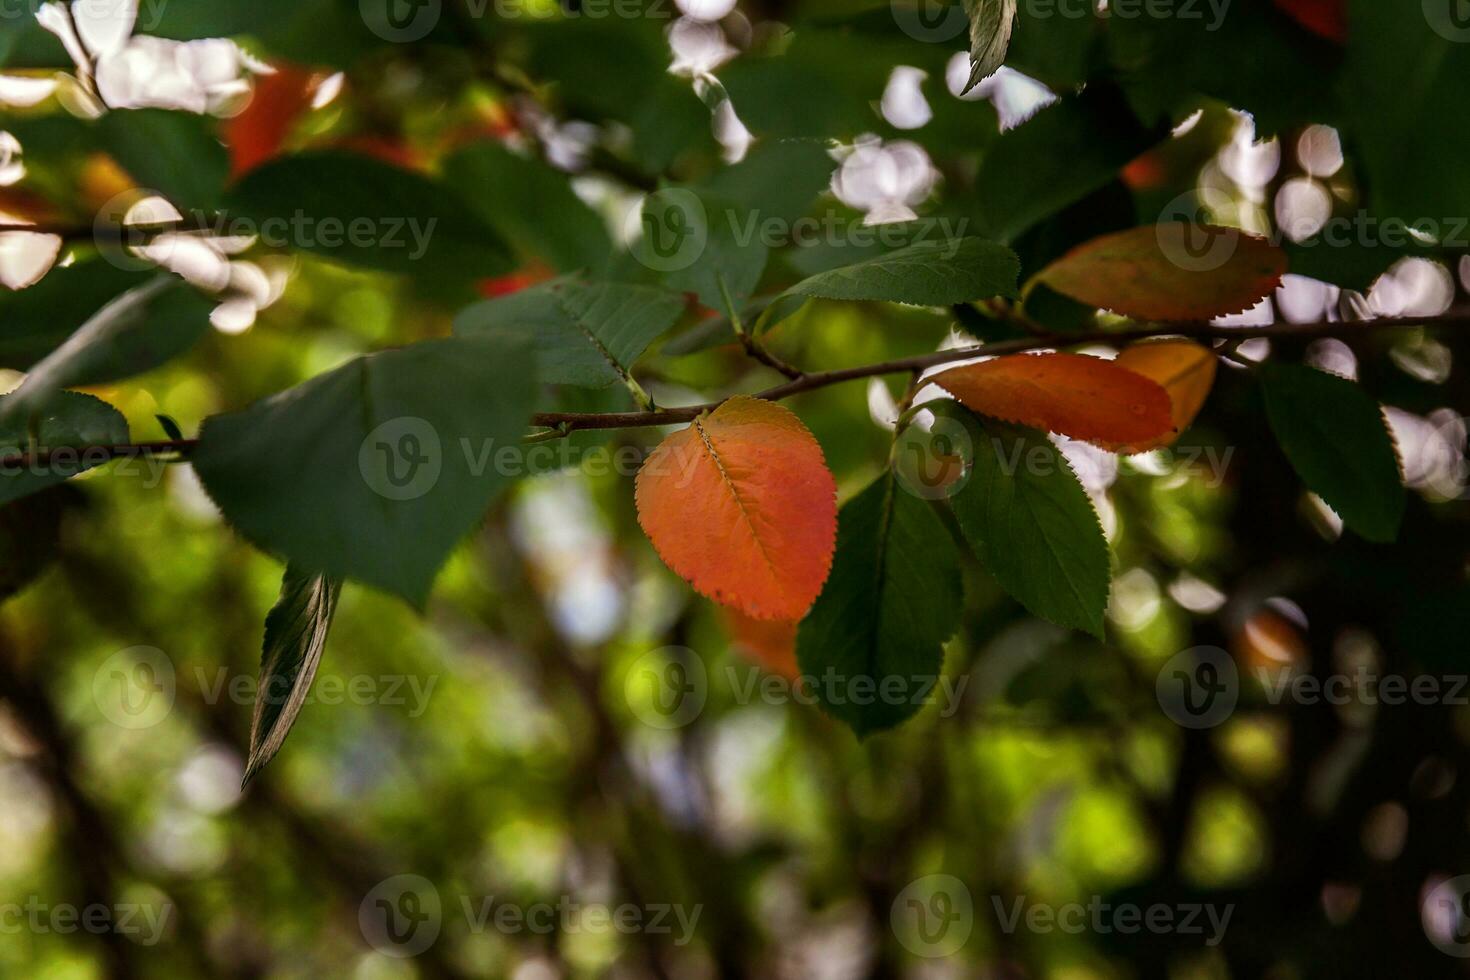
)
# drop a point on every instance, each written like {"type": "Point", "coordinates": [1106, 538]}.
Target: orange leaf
{"type": "Point", "coordinates": [1074, 394]}
{"type": "Point", "coordinates": [771, 643]}
{"type": "Point", "coordinates": [741, 505]}
{"type": "Point", "coordinates": [1171, 271]}
{"type": "Point", "coordinates": [256, 134]}
{"type": "Point", "coordinates": [1184, 369]}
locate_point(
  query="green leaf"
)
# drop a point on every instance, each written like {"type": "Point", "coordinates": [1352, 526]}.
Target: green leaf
{"type": "Point", "coordinates": [146, 326]}
{"type": "Point", "coordinates": [170, 427]}
{"type": "Point", "coordinates": [47, 431]}
{"type": "Point", "coordinates": [38, 318]}
{"type": "Point", "coordinates": [30, 531]}
{"type": "Point", "coordinates": [1031, 523]}
{"type": "Point", "coordinates": [295, 634]}
{"type": "Point", "coordinates": [176, 154]}
{"type": "Point", "coordinates": [991, 23]}
{"type": "Point", "coordinates": [1062, 154]}
{"type": "Point", "coordinates": [722, 241]}
{"type": "Point", "coordinates": [586, 334]}
{"type": "Point", "coordinates": [1336, 438]}
{"type": "Point", "coordinates": [359, 210]}
{"type": "Point", "coordinates": [532, 203]}
{"type": "Point", "coordinates": [891, 601]}
{"type": "Point", "coordinates": [929, 273]}
{"type": "Point", "coordinates": [375, 470]}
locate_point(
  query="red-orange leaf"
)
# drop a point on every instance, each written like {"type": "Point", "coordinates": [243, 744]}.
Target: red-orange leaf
{"type": "Point", "coordinates": [742, 506]}
{"type": "Point", "coordinates": [1172, 271]}
{"type": "Point", "coordinates": [257, 134]}
{"type": "Point", "coordinates": [1074, 394]}
{"type": "Point", "coordinates": [771, 643]}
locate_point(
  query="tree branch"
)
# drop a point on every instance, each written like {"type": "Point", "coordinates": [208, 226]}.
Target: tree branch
{"type": "Point", "coordinates": [564, 423]}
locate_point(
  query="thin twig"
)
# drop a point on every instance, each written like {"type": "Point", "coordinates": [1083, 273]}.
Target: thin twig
{"type": "Point", "coordinates": [568, 422]}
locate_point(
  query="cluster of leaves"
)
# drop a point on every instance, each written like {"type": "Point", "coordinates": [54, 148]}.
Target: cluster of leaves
{"type": "Point", "coordinates": [740, 503]}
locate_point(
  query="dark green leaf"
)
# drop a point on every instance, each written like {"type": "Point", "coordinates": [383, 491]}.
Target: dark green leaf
{"type": "Point", "coordinates": [176, 154]}
{"type": "Point", "coordinates": [532, 203]}
{"type": "Point", "coordinates": [38, 318]}
{"type": "Point", "coordinates": [1336, 438]}
{"type": "Point", "coordinates": [48, 431]}
{"type": "Point", "coordinates": [375, 470]}
{"type": "Point", "coordinates": [146, 326]}
{"type": "Point", "coordinates": [891, 601]}
{"type": "Point", "coordinates": [585, 333]}
{"type": "Point", "coordinates": [1031, 523]}
{"type": "Point", "coordinates": [295, 633]}
{"type": "Point", "coordinates": [359, 210]}
{"type": "Point", "coordinates": [170, 427]}
{"type": "Point", "coordinates": [930, 273]}
{"type": "Point", "coordinates": [710, 240]}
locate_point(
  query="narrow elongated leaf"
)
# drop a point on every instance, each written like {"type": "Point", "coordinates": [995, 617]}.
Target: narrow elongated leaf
{"type": "Point", "coordinates": [47, 433]}
{"type": "Point", "coordinates": [742, 506]}
{"type": "Point", "coordinates": [295, 634]}
{"type": "Point", "coordinates": [1338, 442]}
{"type": "Point", "coordinates": [1073, 394]}
{"type": "Point", "coordinates": [1031, 523]}
{"type": "Point", "coordinates": [176, 154]}
{"type": "Point", "coordinates": [873, 644]}
{"type": "Point", "coordinates": [144, 327]}
{"type": "Point", "coordinates": [929, 273]}
{"type": "Point", "coordinates": [1184, 369]}
{"type": "Point", "coordinates": [586, 334]}
{"type": "Point", "coordinates": [359, 210]}
{"type": "Point", "coordinates": [991, 23]}
{"type": "Point", "coordinates": [1171, 271]}
{"type": "Point", "coordinates": [373, 471]}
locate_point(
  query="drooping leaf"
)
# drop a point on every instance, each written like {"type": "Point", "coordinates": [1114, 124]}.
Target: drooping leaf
{"type": "Point", "coordinates": [1336, 438]}
{"type": "Point", "coordinates": [47, 433]}
{"type": "Point", "coordinates": [1170, 271]}
{"type": "Point", "coordinates": [373, 471]}
{"type": "Point", "coordinates": [29, 533]}
{"type": "Point", "coordinates": [742, 506]}
{"type": "Point", "coordinates": [1032, 525]}
{"type": "Point", "coordinates": [295, 634]}
{"type": "Point", "coordinates": [532, 203]}
{"type": "Point", "coordinates": [585, 334]}
{"type": "Point", "coordinates": [1184, 369]}
{"type": "Point", "coordinates": [892, 600]}
{"type": "Point", "coordinates": [1074, 394]}
{"type": "Point", "coordinates": [176, 154]}
{"type": "Point", "coordinates": [355, 209]}
{"type": "Point", "coordinates": [928, 273]}
{"type": "Point", "coordinates": [144, 327]}
{"type": "Point", "coordinates": [991, 23]}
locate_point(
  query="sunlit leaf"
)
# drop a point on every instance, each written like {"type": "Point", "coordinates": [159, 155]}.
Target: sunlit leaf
{"type": "Point", "coordinates": [991, 23]}
{"type": "Point", "coordinates": [1074, 394]}
{"type": "Point", "coordinates": [1184, 369]}
{"type": "Point", "coordinates": [741, 505]}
